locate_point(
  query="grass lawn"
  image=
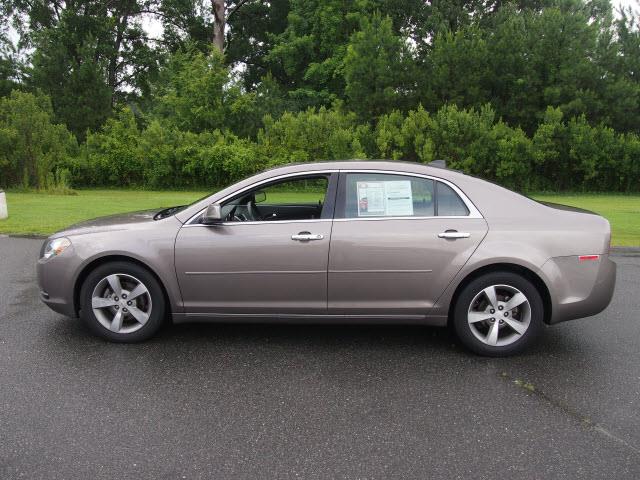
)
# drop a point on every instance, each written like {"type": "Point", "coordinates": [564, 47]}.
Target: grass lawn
{"type": "Point", "coordinates": [43, 214]}
{"type": "Point", "coordinates": [622, 211]}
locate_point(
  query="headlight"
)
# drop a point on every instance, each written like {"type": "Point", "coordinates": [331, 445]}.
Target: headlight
{"type": "Point", "coordinates": [56, 247]}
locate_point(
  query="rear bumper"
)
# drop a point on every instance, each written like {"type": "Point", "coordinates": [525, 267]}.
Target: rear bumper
{"type": "Point", "coordinates": [579, 288]}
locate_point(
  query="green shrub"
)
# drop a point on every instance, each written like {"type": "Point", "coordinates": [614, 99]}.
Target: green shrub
{"type": "Point", "coordinates": [113, 155]}
{"type": "Point", "coordinates": [559, 156]}
{"type": "Point", "coordinates": [312, 135]}
{"type": "Point", "coordinates": [32, 146]}
{"type": "Point", "coordinates": [155, 153]}
{"type": "Point", "coordinates": [217, 159]}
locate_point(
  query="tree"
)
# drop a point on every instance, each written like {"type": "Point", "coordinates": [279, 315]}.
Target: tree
{"type": "Point", "coordinates": [307, 56]}
{"type": "Point", "coordinates": [252, 33]}
{"type": "Point", "coordinates": [32, 146]}
{"type": "Point", "coordinates": [522, 60]}
{"type": "Point", "coordinates": [192, 95]}
{"type": "Point", "coordinates": [219, 21]}
{"type": "Point", "coordinates": [377, 69]}
{"type": "Point", "coordinates": [619, 57]}
{"type": "Point", "coordinates": [75, 81]}
{"type": "Point", "coordinates": [203, 22]}
{"type": "Point", "coordinates": [10, 66]}
{"type": "Point", "coordinates": [9, 74]}
{"type": "Point", "coordinates": [197, 94]}
{"type": "Point", "coordinates": [87, 55]}
{"type": "Point", "coordinates": [457, 70]}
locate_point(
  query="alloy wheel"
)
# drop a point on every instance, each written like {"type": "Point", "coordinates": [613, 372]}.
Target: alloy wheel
{"type": "Point", "coordinates": [121, 303]}
{"type": "Point", "coordinates": [499, 315]}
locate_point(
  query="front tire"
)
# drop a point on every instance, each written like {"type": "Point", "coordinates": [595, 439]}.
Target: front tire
{"type": "Point", "coordinates": [498, 314]}
{"type": "Point", "coordinates": [122, 302]}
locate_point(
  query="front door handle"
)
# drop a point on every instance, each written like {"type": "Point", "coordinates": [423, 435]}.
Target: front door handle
{"type": "Point", "coordinates": [306, 237]}
{"type": "Point", "coordinates": [454, 234]}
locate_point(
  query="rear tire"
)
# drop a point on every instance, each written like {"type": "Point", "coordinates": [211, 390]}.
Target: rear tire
{"type": "Point", "coordinates": [498, 314]}
{"type": "Point", "coordinates": [122, 302]}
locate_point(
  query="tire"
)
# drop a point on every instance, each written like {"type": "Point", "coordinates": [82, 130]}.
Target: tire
{"type": "Point", "coordinates": [141, 304]}
{"type": "Point", "coordinates": [505, 330]}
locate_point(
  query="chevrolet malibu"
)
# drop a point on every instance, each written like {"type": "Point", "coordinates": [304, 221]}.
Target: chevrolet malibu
{"type": "Point", "coordinates": [338, 242]}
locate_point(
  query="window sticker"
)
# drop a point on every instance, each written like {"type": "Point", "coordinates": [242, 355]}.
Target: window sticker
{"type": "Point", "coordinates": [399, 198]}
{"type": "Point", "coordinates": [371, 198]}
{"type": "Point", "coordinates": [385, 199]}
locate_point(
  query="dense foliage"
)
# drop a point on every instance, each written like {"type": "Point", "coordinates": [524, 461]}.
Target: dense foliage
{"type": "Point", "coordinates": [541, 95]}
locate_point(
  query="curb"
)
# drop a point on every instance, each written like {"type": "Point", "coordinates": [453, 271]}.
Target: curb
{"type": "Point", "coordinates": [625, 251]}
{"type": "Point", "coordinates": [26, 235]}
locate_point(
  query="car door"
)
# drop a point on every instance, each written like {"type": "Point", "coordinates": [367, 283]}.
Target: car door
{"type": "Point", "coordinates": [267, 266]}
{"type": "Point", "coordinates": [397, 242]}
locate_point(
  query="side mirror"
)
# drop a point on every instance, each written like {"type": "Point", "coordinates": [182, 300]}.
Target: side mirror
{"type": "Point", "coordinates": [213, 214]}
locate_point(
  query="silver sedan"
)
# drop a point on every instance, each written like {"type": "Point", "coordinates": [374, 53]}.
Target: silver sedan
{"type": "Point", "coordinates": [342, 242]}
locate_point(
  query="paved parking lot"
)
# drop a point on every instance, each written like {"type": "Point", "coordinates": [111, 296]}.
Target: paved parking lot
{"type": "Point", "coordinates": [264, 401]}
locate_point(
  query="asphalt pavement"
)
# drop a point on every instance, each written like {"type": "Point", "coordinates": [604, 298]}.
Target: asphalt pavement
{"type": "Point", "coordinates": [265, 401]}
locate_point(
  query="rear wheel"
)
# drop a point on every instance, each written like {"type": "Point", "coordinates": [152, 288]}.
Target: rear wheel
{"type": "Point", "coordinates": [498, 314]}
{"type": "Point", "coordinates": [122, 302]}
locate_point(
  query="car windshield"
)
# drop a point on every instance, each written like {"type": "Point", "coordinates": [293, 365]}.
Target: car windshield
{"type": "Point", "coordinates": [167, 212]}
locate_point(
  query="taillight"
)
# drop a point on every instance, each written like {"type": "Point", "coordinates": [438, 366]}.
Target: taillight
{"type": "Point", "coordinates": [586, 258]}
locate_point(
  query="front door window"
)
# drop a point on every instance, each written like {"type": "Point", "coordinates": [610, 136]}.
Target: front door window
{"type": "Point", "coordinates": [292, 199]}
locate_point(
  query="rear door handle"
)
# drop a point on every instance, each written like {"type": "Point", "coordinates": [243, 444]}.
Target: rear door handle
{"type": "Point", "coordinates": [306, 237]}
{"type": "Point", "coordinates": [454, 234]}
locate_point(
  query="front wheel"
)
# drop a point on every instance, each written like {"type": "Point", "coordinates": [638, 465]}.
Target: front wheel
{"type": "Point", "coordinates": [122, 302]}
{"type": "Point", "coordinates": [498, 314]}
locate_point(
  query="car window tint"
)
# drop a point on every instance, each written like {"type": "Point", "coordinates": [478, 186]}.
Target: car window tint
{"type": "Point", "coordinates": [449, 202]}
{"type": "Point", "coordinates": [299, 191]}
{"type": "Point", "coordinates": [290, 199]}
{"type": "Point", "coordinates": [383, 195]}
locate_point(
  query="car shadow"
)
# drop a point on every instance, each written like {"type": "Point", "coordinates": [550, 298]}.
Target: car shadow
{"type": "Point", "coordinates": [408, 339]}
{"type": "Point", "coordinates": [70, 331]}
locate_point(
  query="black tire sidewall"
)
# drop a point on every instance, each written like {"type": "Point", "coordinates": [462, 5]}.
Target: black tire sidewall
{"type": "Point", "coordinates": [463, 330]}
{"type": "Point", "coordinates": [156, 319]}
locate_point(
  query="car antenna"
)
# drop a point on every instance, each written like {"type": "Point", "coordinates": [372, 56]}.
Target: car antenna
{"type": "Point", "coordinates": [438, 164]}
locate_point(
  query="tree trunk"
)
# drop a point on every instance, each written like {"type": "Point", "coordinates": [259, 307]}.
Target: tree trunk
{"type": "Point", "coordinates": [219, 20]}
{"type": "Point", "coordinates": [113, 60]}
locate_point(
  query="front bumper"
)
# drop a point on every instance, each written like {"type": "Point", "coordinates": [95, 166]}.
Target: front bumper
{"type": "Point", "coordinates": [579, 288]}
{"type": "Point", "coordinates": [56, 279]}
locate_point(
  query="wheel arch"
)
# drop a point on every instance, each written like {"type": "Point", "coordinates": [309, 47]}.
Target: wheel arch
{"type": "Point", "coordinates": [96, 262]}
{"type": "Point", "coordinates": [527, 273]}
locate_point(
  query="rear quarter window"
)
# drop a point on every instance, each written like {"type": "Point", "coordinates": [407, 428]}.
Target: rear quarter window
{"type": "Point", "coordinates": [449, 203]}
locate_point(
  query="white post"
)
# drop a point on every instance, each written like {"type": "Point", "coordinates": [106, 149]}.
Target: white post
{"type": "Point", "coordinates": [4, 212]}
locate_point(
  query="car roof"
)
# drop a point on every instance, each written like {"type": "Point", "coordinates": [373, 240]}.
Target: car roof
{"type": "Point", "coordinates": [390, 165]}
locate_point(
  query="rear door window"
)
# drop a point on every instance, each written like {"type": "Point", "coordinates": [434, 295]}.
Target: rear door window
{"type": "Point", "coordinates": [371, 195]}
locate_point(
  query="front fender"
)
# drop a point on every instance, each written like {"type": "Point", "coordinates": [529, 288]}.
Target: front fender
{"type": "Point", "coordinates": [151, 247]}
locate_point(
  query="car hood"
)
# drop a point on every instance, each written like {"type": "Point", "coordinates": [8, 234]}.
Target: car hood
{"type": "Point", "coordinates": [121, 221]}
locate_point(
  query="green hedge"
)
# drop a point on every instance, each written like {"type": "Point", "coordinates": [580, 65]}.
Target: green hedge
{"type": "Point", "coordinates": [562, 154]}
